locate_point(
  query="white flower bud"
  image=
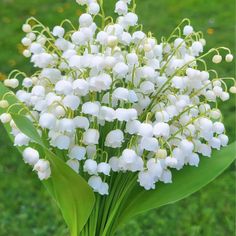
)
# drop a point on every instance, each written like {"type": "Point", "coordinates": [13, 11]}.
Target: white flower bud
{"type": "Point", "coordinates": [188, 29]}
{"type": "Point", "coordinates": [114, 139]}
{"type": "Point", "coordinates": [161, 153]}
{"type": "Point", "coordinates": [58, 31]}
{"type": "Point", "coordinates": [217, 59]}
{"type": "Point", "coordinates": [4, 104]}
{"type": "Point", "coordinates": [5, 118]}
{"type": "Point", "coordinates": [93, 8]}
{"type": "Point", "coordinates": [102, 37]}
{"type": "Point", "coordinates": [104, 168]}
{"type": "Point", "coordinates": [30, 156]}
{"type": "Point", "coordinates": [121, 8]}
{"type": "Point", "coordinates": [90, 166]}
{"type": "Point", "coordinates": [26, 28]}
{"type": "Point", "coordinates": [26, 42]}
{"type": "Point", "coordinates": [85, 20]}
{"type": "Point", "coordinates": [233, 89]}
{"type": "Point", "coordinates": [229, 58]}
{"type": "Point", "coordinates": [131, 19]}
{"type": "Point", "coordinates": [91, 136]}
{"type": "Point", "coordinates": [12, 83]}
{"type": "Point", "coordinates": [224, 96]}
{"type": "Point", "coordinates": [112, 41]}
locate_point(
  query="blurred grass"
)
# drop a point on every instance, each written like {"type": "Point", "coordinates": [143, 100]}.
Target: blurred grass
{"type": "Point", "coordinates": [25, 207]}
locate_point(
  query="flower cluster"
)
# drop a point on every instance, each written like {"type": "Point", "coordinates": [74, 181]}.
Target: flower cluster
{"type": "Point", "coordinates": [112, 98]}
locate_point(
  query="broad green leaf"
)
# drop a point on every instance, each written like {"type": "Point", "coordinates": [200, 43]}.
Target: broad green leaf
{"type": "Point", "coordinates": [71, 192]}
{"type": "Point", "coordinates": [185, 182]}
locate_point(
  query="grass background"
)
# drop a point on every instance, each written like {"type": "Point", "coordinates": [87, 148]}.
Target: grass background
{"type": "Point", "coordinates": [25, 206]}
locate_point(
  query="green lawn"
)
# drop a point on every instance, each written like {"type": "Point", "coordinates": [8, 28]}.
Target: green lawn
{"type": "Point", "coordinates": [25, 207]}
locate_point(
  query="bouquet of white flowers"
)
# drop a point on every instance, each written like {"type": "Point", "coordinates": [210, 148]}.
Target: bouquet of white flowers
{"type": "Point", "coordinates": [113, 115]}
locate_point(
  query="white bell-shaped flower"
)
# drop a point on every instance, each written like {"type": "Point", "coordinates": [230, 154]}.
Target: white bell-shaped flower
{"type": "Point", "coordinates": [21, 140]}
{"type": "Point", "coordinates": [42, 165]}
{"type": "Point", "coordinates": [145, 130]}
{"type": "Point", "coordinates": [81, 87]}
{"type": "Point", "coordinates": [215, 143]}
{"type": "Point", "coordinates": [223, 139]}
{"type": "Point", "coordinates": [90, 166]}
{"type": "Point", "coordinates": [149, 144]}
{"type": "Point", "coordinates": [107, 113]}
{"type": "Point", "coordinates": [45, 174]}
{"type": "Point", "coordinates": [100, 83]}
{"type": "Point", "coordinates": [91, 136]}
{"type": "Point", "coordinates": [93, 8]}
{"type": "Point", "coordinates": [71, 101]}
{"type": "Point", "coordinates": [103, 190]}
{"type": "Point", "coordinates": [193, 159]}
{"type": "Point", "coordinates": [66, 125]}
{"type": "Point", "coordinates": [120, 69]}
{"type": "Point", "coordinates": [104, 168]}
{"type": "Point", "coordinates": [114, 139]}
{"type": "Point", "coordinates": [154, 168]}
{"type": "Point", "coordinates": [132, 127]}
{"type": "Point", "coordinates": [121, 8]}
{"type": "Point", "coordinates": [121, 94]}
{"type": "Point", "coordinates": [91, 108]}
{"type": "Point", "coordinates": [62, 142]}
{"type": "Point", "coordinates": [63, 87]}
{"type": "Point", "coordinates": [58, 31]}
{"type": "Point", "coordinates": [171, 162]}
{"type": "Point", "coordinates": [114, 164]}
{"type": "Point", "coordinates": [30, 156]}
{"type": "Point", "coordinates": [146, 180]}
{"type": "Point", "coordinates": [81, 122]}
{"type": "Point", "coordinates": [161, 129]}
{"type": "Point", "coordinates": [186, 146]}
{"type": "Point", "coordinates": [166, 176]}
{"type": "Point", "coordinates": [77, 152]}
{"type": "Point", "coordinates": [218, 127]}
{"type": "Point", "coordinates": [85, 20]}
{"type": "Point", "coordinates": [47, 121]}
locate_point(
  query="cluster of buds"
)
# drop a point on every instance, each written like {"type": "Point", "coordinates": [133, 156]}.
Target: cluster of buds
{"type": "Point", "coordinates": [112, 98]}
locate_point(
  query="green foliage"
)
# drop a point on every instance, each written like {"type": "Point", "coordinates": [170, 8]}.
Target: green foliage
{"type": "Point", "coordinates": [141, 201]}
{"type": "Point", "coordinates": [70, 191]}
{"type": "Point", "coordinates": [26, 209]}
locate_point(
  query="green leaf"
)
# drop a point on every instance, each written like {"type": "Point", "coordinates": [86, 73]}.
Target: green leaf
{"type": "Point", "coordinates": [185, 182]}
{"type": "Point", "coordinates": [71, 192]}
